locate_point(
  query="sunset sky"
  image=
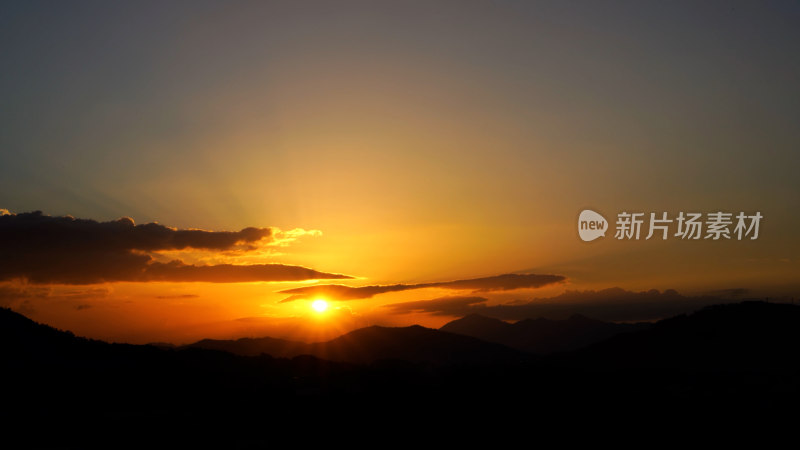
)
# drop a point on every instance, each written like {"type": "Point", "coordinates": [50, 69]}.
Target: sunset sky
{"type": "Point", "coordinates": [422, 151]}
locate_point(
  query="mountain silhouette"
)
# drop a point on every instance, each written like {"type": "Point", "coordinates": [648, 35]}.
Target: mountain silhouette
{"type": "Point", "coordinates": [414, 344]}
{"type": "Point", "coordinates": [750, 335]}
{"type": "Point", "coordinates": [728, 359]}
{"type": "Point", "coordinates": [279, 348]}
{"type": "Point", "coordinates": [541, 336]}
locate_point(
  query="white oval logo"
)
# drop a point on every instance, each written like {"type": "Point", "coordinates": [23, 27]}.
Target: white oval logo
{"type": "Point", "coordinates": [591, 225]}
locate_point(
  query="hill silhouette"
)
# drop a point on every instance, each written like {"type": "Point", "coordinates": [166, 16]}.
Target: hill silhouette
{"type": "Point", "coordinates": [279, 348]}
{"type": "Point", "coordinates": [729, 359]}
{"type": "Point", "coordinates": [751, 335]}
{"type": "Point", "coordinates": [414, 344]}
{"type": "Point", "coordinates": [541, 336]}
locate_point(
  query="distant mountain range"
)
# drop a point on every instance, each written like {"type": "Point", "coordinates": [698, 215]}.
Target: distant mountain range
{"type": "Point", "coordinates": [748, 336]}
{"type": "Point", "coordinates": [414, 344]}
{"type": "Point", "coordinates": [738, 358]}
{"type": "Point", "coordinates": [540, 336]}
{"type": "Point", "coordinates": [474, 338]}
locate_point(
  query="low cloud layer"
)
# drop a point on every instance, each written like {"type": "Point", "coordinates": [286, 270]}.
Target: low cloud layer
{"type": "Point", "coordinates": [47, 249]}
{"type": "Point", "coordinates": [444, 306]}
{"type": "Point", "coordinates": [612, 304]}
{"type": "Point", "coordinates": [495, 283]}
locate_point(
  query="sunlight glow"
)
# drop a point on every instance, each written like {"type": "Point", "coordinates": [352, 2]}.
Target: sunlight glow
{"type": "Point", "coordinates": [319, 305]}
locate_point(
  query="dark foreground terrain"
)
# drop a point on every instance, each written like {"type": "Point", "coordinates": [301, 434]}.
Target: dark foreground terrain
{"type": "Point", "coordinates": [737, 359]}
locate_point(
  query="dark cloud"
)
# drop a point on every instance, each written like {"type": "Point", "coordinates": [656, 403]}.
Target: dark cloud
{"type": "Point", "coordinates": [24, 298]}
{"type": "Point", "coordinates": [494, 283]}
{"type": "Point", "coordinates": [444, 306]}
{"type": "Point", "coordinates": [341, 292]}
{"type": "Point", "coordinates": [506, 282]}
{"type": "Point", "coordinates": [15, 291]}
{"type": "Point", "coordinates": [613, 304]}
{"type": "Point", "coordinates": [229, 273]}
{"type": "Point", "coordinates": [47, 249]}
{"type": "Point", "coordinates": [33, 231]}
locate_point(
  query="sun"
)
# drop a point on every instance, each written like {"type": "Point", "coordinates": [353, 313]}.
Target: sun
{"type": "Point", "coordinates": [319, 305]}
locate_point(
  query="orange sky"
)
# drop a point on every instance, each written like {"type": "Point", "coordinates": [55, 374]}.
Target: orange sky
{"type": "Point", "coordinates": [186, 311]}
{"type": "Point", "coordinates": [393, 143]}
